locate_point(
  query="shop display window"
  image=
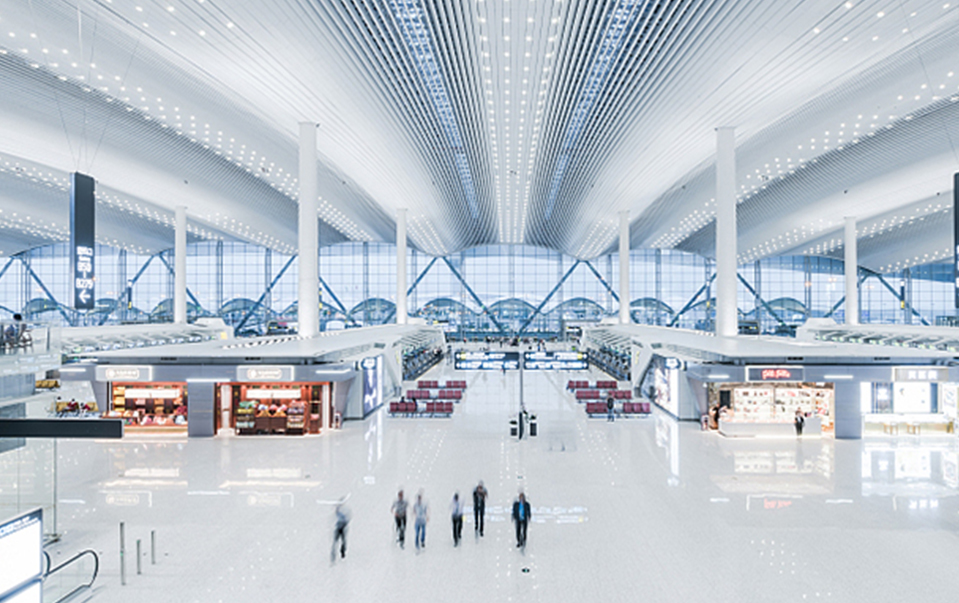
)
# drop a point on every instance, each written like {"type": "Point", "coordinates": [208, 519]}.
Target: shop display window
{"type": "Point", "coordinates": [768, 403]}
{"type": "Point", "coordinates": [271, 408]}
{"type": "Point", "coordinates": [149, 405]}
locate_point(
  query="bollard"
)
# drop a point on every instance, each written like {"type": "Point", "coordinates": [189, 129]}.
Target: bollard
{"type": "Point", "coordinates": [153, 547]}
{"type": "Point", "coordinates": [139, 557]}
{"type": "Point", "coordinates": [123, 567]}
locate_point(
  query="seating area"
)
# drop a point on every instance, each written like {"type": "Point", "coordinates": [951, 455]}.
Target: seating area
{"type": "Point", "coordinates": [626, 409]}
{"type": "Point", "coordinates": [430, 399]}
{"type": "Point", "coordinates": [598, 391]}
{"type": "Point", "coordinates": [421, 409]}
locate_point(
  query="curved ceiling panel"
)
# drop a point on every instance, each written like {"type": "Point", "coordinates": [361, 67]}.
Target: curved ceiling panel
{"type": "Point", "coordinates": [492, 121]}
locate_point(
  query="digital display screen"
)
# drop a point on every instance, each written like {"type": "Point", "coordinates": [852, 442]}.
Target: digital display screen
{"type": "Point", "coordinates": [372, 383]}
{"type": "Point", "coordinates": [83, 206]}
{"type": "Point", "coordinates": [21, 542]}
{"type": "Point", "coordinates": [555, 361]}
{"type": "Point", "coordinates": [774, 373]}
{"type": "Point", "coordinates": [486, 361]}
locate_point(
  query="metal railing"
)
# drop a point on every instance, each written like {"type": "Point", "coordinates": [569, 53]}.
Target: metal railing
{"type": "Point", "coordinates": [57, 581]}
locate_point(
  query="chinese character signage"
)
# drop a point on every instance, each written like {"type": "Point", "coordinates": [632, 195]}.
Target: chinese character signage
{"type": "Point", "coordinates": [555, 361]}
{"type": "Point", "coordinates": [486, 361]}
{"type": "Point", "coordinates": [82, 239]}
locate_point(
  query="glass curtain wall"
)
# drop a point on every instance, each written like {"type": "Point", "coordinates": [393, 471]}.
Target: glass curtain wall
{"type": "Point", "coordinates": [486, 290]}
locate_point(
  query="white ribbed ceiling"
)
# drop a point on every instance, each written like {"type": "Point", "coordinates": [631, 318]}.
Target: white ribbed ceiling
{"type": "Point", "coordinates": [517, 121]}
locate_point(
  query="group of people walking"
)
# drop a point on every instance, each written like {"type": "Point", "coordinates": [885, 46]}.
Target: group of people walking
{"type": "Point", "coordinates": [521, 516]}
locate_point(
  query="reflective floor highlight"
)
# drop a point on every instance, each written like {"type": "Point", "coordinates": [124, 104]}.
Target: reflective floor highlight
{"type": "Point", "coordinates": [644, 509]}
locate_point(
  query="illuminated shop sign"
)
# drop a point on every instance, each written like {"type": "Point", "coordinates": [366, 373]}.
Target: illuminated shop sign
{"type": "Point", "coordinates": [264, 373]}
{"type": "Point", "coordinates": [775, 373]}
{"type": "Point", "coordinates": [124, 373]}
{"type": "Point", "coordinates": [555, 361]}
{"type": "Point", "coordinates": [924, 374]}
{"type": "Point", "coordinates": [486, 361]}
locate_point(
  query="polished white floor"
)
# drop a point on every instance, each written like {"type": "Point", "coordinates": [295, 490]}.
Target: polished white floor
{"type": "Point", "coordinates": [637, 510]}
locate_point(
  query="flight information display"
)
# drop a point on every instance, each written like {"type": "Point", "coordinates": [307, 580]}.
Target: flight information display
{"type": "Point", "coordinates": [555, 361]}
{"type": "Point", "coordinates": [486, 361]}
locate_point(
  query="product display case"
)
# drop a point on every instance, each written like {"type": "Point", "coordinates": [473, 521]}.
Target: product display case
{"type": "Point", "coordinates": [149, 405]}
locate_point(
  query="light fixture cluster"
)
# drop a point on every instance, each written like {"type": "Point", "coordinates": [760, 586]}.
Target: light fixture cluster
{"type": "Point", "coordinates": [338, 220]}
{"type": "Point", "coordinates": [689, 224]}
{"type": "Point", "coordinates": [926, 258]}
{"type": "Point", "coordinates": [600, 236]}
{"type": "Point", "coordinates": [113, 88]}
{"type": "Point", "coordinates": [516, 79]}
{"type": "Point", "coordinates": [242, 230]}
{"type": "Point", "coordinates": [429, 241]}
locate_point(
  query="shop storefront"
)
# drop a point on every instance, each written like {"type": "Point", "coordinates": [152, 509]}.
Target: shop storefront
{"type": "Point", "coordinates": [767, 403]}
{"type": "Point", "coordinates": [263, 408]}
{"type": "Point", "coordinates": [142, 403]}
{"type": "Point", "coordinates": [917, 401]}
{"type": "Point", "coordinates": [153, 405]}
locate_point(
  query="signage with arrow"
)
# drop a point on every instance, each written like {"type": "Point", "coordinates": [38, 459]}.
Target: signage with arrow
{"type": "Point", "coordinates": [83, 239]}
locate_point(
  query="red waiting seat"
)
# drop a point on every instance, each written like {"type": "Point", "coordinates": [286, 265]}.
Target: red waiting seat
{"type": "Point", "coordinates": [457, 394]}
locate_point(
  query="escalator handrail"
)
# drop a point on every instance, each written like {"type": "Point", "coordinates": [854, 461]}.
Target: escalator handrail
{"type": "Point", "coordinates": [96, 570]}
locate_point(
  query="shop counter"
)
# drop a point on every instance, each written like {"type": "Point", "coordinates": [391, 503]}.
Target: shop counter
{"type": "Point", "coordinates": [907, 424]}
{"type": "Point", "coordinates": [749, 429]}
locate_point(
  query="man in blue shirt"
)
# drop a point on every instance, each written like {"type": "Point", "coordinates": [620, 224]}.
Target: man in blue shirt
{"type": "Point", "coordinates": [521, 514]}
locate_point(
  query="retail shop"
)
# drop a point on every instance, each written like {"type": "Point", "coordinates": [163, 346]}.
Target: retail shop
{"type": "Point", "coordinates": [915, 401]}
{"type": "Point", "coordinates": [266, 400]}
{"type": "Point", "coordinates": [142, 402]}
{"type": "Point", "coordinates": [766, 404]}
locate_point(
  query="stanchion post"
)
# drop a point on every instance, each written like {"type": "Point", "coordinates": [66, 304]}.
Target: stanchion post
{"type": "Point", "coordinates": [153, 547]}
{"type": "Point", "coordinates": [123, 568]}
{"type": "Point", "coordinates": [139, 557]}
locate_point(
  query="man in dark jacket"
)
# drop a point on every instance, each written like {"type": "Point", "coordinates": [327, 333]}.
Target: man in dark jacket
{"type": "Point", "coordinates": [521, 514]}
{"type": "Point", "coordinates": [479, 507]}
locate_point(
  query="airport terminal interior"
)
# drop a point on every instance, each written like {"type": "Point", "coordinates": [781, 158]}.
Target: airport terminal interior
{"type": "Point", "coordinates": [632, 299]}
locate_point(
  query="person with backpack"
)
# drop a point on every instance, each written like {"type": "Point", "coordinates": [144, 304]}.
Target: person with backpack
{"type": "Point", "coordinates": [610, 415]}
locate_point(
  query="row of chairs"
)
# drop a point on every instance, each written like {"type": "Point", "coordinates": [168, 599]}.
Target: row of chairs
{"type": "Point", "coordinates": [572, 385]}
{"type": "Point", "coordinates": [628, 408]}
{"type": "Point", "coordinates": [436, 385]}
{"type": "Point", "coordinates": [444, 394]}
{"type": "Point", "coordinates": [595, 394]}
{"type": "Point", "coordinates": [429, 408]}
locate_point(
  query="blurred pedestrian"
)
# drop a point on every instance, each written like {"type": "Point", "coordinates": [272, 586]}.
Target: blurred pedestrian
{"type": "Point", "coordinates": [479, 507]}
{"type": "Point", "coordinates": [456, 511]}
{"type": "Point", "coordinates": [421, 511]}
{"type": "Point", "coordinates": [521, 514]}
{"type": "Point", "coordinates": [399, 516]}
{"type": "Point", "coordinates": [610, 415]}
{"type": "Point", "coordinates": [339, 530]}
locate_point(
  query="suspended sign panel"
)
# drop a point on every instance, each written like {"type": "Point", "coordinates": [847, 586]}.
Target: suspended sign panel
{"type": "Point", "coordinates": [83, 205]}
{"type": "Point", "coordinates": [555, 361]}
{"type": "Point", "coordinates": [486, 361]}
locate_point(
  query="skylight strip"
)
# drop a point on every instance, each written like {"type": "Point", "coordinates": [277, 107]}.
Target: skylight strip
{"type": "Point", "coordinates": [412, 23]}
{"type": "Point", "coordinates": [618, 24]}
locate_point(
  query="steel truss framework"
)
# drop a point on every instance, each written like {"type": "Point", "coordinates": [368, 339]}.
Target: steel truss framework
{"type": "Point", "coordinates": [701, 300]}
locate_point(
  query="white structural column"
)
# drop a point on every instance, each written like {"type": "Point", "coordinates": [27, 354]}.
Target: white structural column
{"type": "Point", "coordinates": [401, 313]}
{"type": "Point", "coordinates": [308, 299]}
{"type": "Point", "coordinates": [624, 298]}
{"type": "Point", "coordinates": [179, 265]}
{"type": "Point", "coordinates": [727, 319]}
{"type": "Point", "coordinates": [852, 273]}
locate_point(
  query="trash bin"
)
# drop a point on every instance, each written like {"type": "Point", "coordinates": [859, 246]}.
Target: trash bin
{"type": "Point", "coordinates": [532, 429]}
{"type": "Point", "coordinates": [513, 428]}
